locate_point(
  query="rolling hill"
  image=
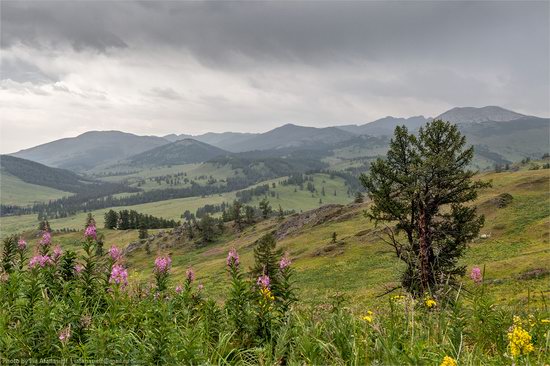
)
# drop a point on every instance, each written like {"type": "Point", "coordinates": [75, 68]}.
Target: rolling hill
{"type": "Point", "coordinates": [385, 126]}
{"type": "Point", "coordinates": [184, 151]}
{"type": "Point", "coordinates": [90, 149]}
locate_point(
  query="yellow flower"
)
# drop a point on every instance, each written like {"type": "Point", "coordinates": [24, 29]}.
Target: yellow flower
{"type": "Point", "coordinates": [369, 317]}
{"type": "Point", "coordinates": [520, 341]}
{"type": "Point", "coordinates": [430, 303]}
{"type": "Point", "coordinates": [266, 294]}
{"type": "Point", "coordinates": [448, 361]}
{"type": "Point", "coordinates": [397, 297]}
{"type": "Point", "coordinates": [545, 321]}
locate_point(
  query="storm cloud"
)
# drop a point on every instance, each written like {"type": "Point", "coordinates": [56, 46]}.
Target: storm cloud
{"type": "Point", "coordinates": [193, 67]}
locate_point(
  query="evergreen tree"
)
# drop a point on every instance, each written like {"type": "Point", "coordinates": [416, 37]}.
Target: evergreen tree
{"type": "Point", "coordinates": [111, 219]}
{"type": "Point", "coordinates": [265, 208]}
{"type": "Point", "coordinates": [143, 232]}
{"type": "Point", "coordinates": [266, 258]}
{"type": "Point", "coordinates": [90, 221]}
{"type": "Point", "coordinates": [281, 213]}
{"type": "Point", "coordinates": [249, 214]}
{"type": "Point", "coordinates": [236, 215]}
{"type": "Point", "coordinates": [334, 237]}
{"type": "Point", "coordinates": [207, 228]}
{"type": "Point", "coordinates": [421, 189]}
{"type": "Point", "coordinates": [358, 197]}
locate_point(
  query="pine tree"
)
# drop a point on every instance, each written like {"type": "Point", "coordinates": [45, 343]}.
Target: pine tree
{"type": "Point", "coordinates": [420, 191]}
{"type": "Point", "coordinates": [281, 213]}
{"type": "Point", "coordinates": [90, 221]}
{"type": "Point", "coordinates": [249, 214]}
{"type": "Point", "coordinates": [236, 214]}
{"type": "Point", "coordinates": [266, 258]}
{"type": "Point", "coordinates": [358, 197]}
{"type": "Point", "coordinates": [143, 232]}
{"type": "Point", "coordinates": [207, 228]}
{"type": "Point", "coordinates": [265, 208]}
{"type": "Point", "coordinates": [111, 219]}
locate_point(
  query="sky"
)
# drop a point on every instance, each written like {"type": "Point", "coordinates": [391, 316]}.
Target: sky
{"type": "Point", "coordinates": [155, 68]}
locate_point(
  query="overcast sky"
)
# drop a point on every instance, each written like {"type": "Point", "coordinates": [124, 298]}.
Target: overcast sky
{"type": "Point", "coordinates": [193, 67]}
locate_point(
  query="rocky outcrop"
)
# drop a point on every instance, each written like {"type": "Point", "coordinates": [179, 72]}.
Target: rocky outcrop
{"type": "Point", "coordinates": [311, 218]}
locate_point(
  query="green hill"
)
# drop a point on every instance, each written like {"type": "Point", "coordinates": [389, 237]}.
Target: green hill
{"type": "Point", "coordinates": [513, 246]}
{"type": "Point", "coordinates": [184, 151]}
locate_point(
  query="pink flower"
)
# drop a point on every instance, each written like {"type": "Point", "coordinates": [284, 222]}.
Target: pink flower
{"type": "Point", "coordinates": [46, 239]}
{"type": "Point", "coordinates": [232, 258]}
{"type": "Point", "coordinates": [179, 289]}
{"type": "Point", "coordinates": [78, 268]}
{"type": "Point", "coordinates": [57, 251]}
{"type": "Point", "coordinates": [263, 281]}
{"type": "Point", "coordinates": [21, 244]}
{"type": "Point", "coordinates": [476, 275]}
{"type": "Point", "coordinates": [115, 253]}
{"type": "Point", "coordinates": [200, 287]}
{"type": "Point", "coordinates": [65, 334]}
{"type": "Point", "coordinates": [119, 275]}
{"type": "Point", "coordinates": [40, 260]}
{"type": "Point", "coordinates": [162, 264]}
{"type": "Point", "coordinates": [190, 274]}
{"type": "Point", "coordinates": [285, 262]}
{"type": "Point", "coordinates": [91, 232]}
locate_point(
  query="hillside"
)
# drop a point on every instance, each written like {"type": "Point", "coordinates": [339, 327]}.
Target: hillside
{"type": "Point", "coordinates": [42, 175]}
{"type": "Point", "coordinates": [513, 247]}
{"type": "Point", "coordinates": [186, 151]}
{"type": "Point", "coordinates": [90, 149]}
{"type": "Point", "coordinates": [475, 115]}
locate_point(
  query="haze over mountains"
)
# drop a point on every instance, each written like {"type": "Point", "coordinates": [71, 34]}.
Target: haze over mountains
{"type": "Point", "coordinates": [499, 135]}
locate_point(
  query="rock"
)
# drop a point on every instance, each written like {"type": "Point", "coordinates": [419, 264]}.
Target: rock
{"type": "Point", "coordinates": [313, 217]}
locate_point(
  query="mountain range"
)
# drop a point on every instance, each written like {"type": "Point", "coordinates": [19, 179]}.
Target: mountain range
{"type": "Point", "coordinates": [496, 132]}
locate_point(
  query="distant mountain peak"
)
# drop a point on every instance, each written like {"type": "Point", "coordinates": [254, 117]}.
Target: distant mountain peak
{"type": "Point", "coordinates": [481, 114]}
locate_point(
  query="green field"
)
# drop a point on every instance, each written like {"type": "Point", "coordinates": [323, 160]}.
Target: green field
{"type": "Point", "coordinates": [173, 209]}
{"type": "Point", "coordinates": [13, 191]}
{"type": "Point", "coordinates": [516, 256]}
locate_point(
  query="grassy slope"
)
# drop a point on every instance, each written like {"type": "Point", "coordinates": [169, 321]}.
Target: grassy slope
{"type": "Point", "coordinates": [362, 266]}
{"type": "Point", "coordinates": [172, 209]}
{"type": "Point", "coordinates": [13, 191]}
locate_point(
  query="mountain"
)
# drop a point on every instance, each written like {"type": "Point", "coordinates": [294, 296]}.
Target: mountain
{"type": "Point", "coordinates": [475, 115]}
{"type": "Point", "coordinates": [293, 137]}
{"type": "Point", "coordinates": [90, 149]}
{"type": "Point", "coordinates": [42, 175]}
{"type": "Point", "coordinates": [385, 126]}
{"type": "Point", "coordinates": [180, 152]}
{"type": "Point", "coordinates": [229, 141]}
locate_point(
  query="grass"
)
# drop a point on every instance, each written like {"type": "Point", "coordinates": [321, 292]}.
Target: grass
{"type": "Point", "coordinates": [173, 209]}
{"type": "Point", "coordinates": [13, 191]}
{"type": "Point", "coordinates": [361, 266]}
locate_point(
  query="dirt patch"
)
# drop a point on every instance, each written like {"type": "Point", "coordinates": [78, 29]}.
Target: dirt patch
{"type": "Point", "coordinates": [538, 183]}
{"type": "Point", "coordinates": [312, 218]}
{"type": "Point", "coordinates": [533, 273]}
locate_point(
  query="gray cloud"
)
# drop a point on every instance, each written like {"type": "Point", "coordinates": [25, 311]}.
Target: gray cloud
{"type": "Point", "coordinates": [198, 66]}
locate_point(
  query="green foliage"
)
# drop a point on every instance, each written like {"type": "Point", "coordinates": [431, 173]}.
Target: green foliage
{"type": "Point", "coordinates": [265, 208]}
{"type": "Point", "coordinates": [266, 258]}
{"type": "Point", "coordinates": [8, 253]}
{"type": "Point", "coordinates": [420, 190]}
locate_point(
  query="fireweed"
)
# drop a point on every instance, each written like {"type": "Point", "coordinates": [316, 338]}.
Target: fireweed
{"type": "Point", "coordinates": [161, 271]}
{"type": "Point", "coordinates": [46, 314]}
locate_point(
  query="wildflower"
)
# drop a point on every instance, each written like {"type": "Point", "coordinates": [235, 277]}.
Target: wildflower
{"type": "Point", "coordinates": [65, 334]}
{"type": "Point", "coordinates": [520, 341]}
{"type": "Point", "coordinates": [430, 303]}
{"type": "Point", "coordinates": [190, 274]}
{"type": "Point", "coordinates": [369, 317]}
{"type": "Point", "coordinates": [232, 258]}
{"type": "Point", "coordinates": [91, 232]}
{"type": "Point", "coordinates": [285, 262]}
{"type": "Point", "coordinates": [179, 289]}
{"type": "Point", "coordinates": [115, 253]}
{"type": "Point", "coordinates": [200, 287]}
{"type": "Point", "coordinates": [21, 244]}
{"type": "Point", "coordinates": [162, 264]}
{"type": "Point", "coordinates": [46, 239]}
{"type": "Point", "coordinates": [448, 361]}
{"type": "Point", "coordinates": [56, 253]}
{"type": "Point", "coordinates": [40, 260]}
{"type": "Point", "coordinates": [266, 294]}
{"type": "Point", "coordinates": [545, 321]}
{"type": "Point", "coordinates": [398, 297]}
{"type": "Point", "coordinates": [78, 268]}
{"type": "Point", "coordinates": [263, 281]}
{"type": "Point", "coordinates": [86, 321]}
{"type": "Point", "coordinates": [476, 275]}
{"type": "Point", "coordinates": [119, 275]}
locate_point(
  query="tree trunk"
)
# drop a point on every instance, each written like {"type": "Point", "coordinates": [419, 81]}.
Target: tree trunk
{"type": "Point", "coordinates": [424, 252]}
